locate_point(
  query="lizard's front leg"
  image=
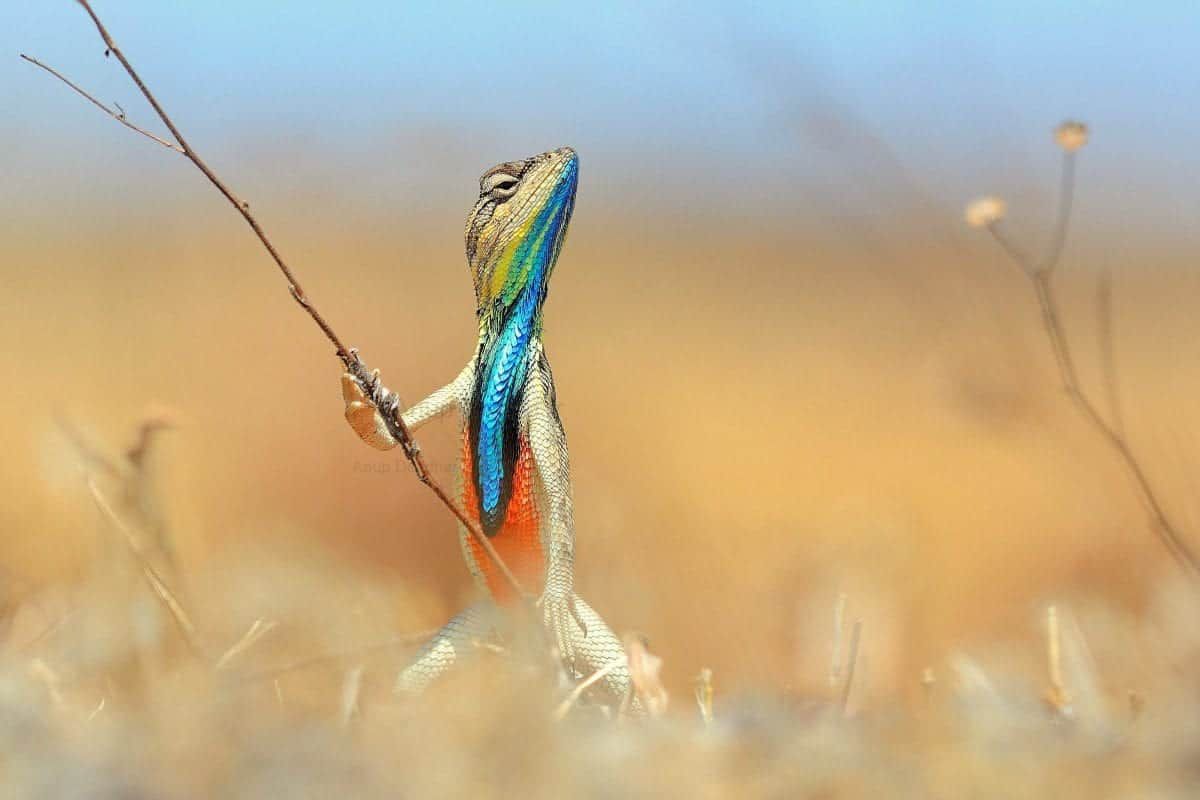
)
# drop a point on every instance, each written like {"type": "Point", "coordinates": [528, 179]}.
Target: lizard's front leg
{"type": "Point", "coordinates": [368, 401]}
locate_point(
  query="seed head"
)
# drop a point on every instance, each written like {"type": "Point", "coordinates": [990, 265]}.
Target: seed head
{"type": "Point", "coordinates": [984, 211]}
{"type": "Point", "coordinates": [1071, 135]}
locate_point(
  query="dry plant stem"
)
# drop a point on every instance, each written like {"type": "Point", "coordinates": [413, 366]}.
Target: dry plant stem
{"type": "Point", "coordinates": [159, 586]}
{"type": "Point", "coordinates": [117, 115]}
{"type": "Point", "coordinates": [258, 630]}
{"type": "Point", "coordinates": [1054, 654]}
{"type": "Point", "coordinates": [1108, 356]}
{"type": "Point", "coordinates": [351, 689]}
{"type": "Point", "coordinates": [242, 206]}
{"type": "Point", "coordinates": [46, 632]}
{"type": "Point", "coordinates": [347, 355]}
{"type": "Point", "coordinates": [1042, 278]}
{"type": "Point", "coordinates": [565, 706]}
{"type": "Point", "coordinates": [704, 695]}
{"type": "Point", "coordinates": [1066, 200]}
{"type": "Point", "coordinates": [91, 456]}
{"type": "Point", "coordinates": [851, 662]}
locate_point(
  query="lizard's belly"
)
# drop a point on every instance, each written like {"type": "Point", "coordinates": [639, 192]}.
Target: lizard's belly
{"type": "Point", "coordinates": [518, 540]}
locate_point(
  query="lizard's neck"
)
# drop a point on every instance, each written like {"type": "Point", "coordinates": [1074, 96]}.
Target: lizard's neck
{"type": "Point", "coordinates": [507, 354]}
{"type": "Point", "coordinates": [511, 259]}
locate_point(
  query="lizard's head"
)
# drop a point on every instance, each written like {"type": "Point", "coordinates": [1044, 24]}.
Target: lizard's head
{"type": "Point", "coordinates": [516, 229]}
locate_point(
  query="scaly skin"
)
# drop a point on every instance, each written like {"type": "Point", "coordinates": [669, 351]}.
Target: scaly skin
{"type": "Point", "coordinates": [515, 473]}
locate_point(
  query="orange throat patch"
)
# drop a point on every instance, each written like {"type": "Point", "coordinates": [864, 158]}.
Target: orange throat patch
{"type": "Point", "coordinates": [519, 539]}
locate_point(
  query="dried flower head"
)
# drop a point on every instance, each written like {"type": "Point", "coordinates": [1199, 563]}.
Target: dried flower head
{"type": "Point", "coordinates": [1071, 135]}
{"type": "Point", "coordinates": [984, 211]}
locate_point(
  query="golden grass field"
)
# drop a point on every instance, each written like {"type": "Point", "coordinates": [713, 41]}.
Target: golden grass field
{"type": "Point", "coordinates": [764, 415]}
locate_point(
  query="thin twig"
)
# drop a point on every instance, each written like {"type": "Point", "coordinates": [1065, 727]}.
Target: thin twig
{"type": "Point", "coordinates": [1041, 276]}
{"type": "Point", "coordinates": [347, 355]}
{"type": "Point", "coordinates": [46, 632]}
{"type": "Point", "coordinates": [97, 709]}
{"type": "Point", "coordinates": [1066, 199]}
{"type": "Point", "coordinates": [1054, 653]}
{"type": "Point", "coordinates": [1105, 322]}
{"type": "Point", "coordinates": [118, 115]}
{"type": "Point", "coordinates": [91, 455]}
{"type": "Point", "coordinates": [851, 663]}
{"type": "Point", "coordinates": [351, 689]}
{"type": "Point", "coordinates": [565, 706]}
{"type": "Point", "coordinates": [182, 621]}
{"type": "Point", "coordinates": [704, 695]}
{"type": "Point", "coordinates": [242, 206]}
{"type": "Point", "coordinates": [257, 630]}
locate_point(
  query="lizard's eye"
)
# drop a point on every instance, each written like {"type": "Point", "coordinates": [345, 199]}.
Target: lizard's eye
{"type": "Point", "coordinates": [499, 185]}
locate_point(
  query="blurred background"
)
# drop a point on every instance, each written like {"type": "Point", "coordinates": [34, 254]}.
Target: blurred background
{"type": "Point", "coordinates": [786, 368]}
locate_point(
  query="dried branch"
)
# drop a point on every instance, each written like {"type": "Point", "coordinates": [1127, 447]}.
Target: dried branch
{"type": "Point", "coordinates": [348, 356]}
{"type": "Point", "coordinates": [118, 115]}
{"type": "Point", "coordinates": [1071, 136]}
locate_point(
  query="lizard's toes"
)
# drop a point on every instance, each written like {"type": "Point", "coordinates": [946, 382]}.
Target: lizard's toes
{"type": "Point", "coordinates": [363, 417]}
{"type": "Point", "coordinates": [369, 425]}
{"type": "Point", "coordinates": [351, 390]}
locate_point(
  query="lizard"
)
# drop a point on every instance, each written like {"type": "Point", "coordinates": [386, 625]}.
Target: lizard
{"type": "Point", "coordinates": [515, 473]}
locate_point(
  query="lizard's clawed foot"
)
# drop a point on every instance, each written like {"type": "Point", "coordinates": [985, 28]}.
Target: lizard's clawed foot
{"type": "Point", "coordinates": [560, 618]}
{"type": "Point", "coordinates": [363, 416]}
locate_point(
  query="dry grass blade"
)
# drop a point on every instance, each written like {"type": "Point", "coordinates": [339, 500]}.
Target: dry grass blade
{"type": "Point", "coordinates": [257, 631]}
{"type": "Point", "coordinates": [565, 706]}
{"type": "Point", "coordinates": [351, 689]}
{"type": "Point", "coordinates": [851, 664]}
{"type": "Point", "coordinates": [159, 586]}
{"type": "Point", "coordinates": [704, 695]}
{"type": "Point", "coordinates": [1056, 694]}
{"type": "Point", "coordinates": [95, 712]}
{"type": "Point", "coordinates": [40, 671]}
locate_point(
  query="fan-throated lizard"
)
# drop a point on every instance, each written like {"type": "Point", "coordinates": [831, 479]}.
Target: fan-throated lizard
{"type": "Point", "coordinates": [515, 476]}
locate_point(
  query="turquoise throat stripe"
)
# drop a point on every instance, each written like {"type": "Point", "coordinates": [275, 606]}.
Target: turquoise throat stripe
{"type": "Point", "coordinates": [505, 363]}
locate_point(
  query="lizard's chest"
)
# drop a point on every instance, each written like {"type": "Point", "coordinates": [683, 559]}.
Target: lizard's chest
{"type": "Point", "coordinates": [515, 526]}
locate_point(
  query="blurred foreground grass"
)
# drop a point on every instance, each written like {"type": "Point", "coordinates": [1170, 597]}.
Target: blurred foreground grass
{"type": "Point", "coordinates": [100, 697]}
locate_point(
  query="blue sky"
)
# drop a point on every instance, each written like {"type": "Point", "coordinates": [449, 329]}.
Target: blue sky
{"type": "Point", "coordinates": [962, 95]}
